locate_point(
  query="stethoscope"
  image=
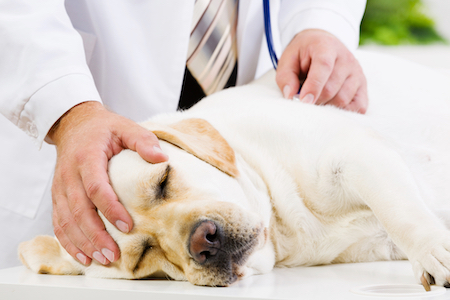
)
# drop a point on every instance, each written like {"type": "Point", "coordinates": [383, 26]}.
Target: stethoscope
{"type": "Point", "coordinates": [268, 31]}
{"type": "Point", "coordinates": [269, 39]}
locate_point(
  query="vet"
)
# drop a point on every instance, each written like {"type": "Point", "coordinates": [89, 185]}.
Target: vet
{"type": "Point", "coordinates": [62, 60]}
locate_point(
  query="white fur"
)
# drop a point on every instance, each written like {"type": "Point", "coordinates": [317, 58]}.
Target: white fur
{"type": "Point", "coordinates": [350, 187]}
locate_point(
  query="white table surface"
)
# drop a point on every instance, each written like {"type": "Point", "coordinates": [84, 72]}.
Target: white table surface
{"type": "Point", "coordinates": [323, 282]}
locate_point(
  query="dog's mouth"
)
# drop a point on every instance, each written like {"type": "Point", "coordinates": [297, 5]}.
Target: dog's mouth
{"type": "Point", "coordinates": [221, 251]}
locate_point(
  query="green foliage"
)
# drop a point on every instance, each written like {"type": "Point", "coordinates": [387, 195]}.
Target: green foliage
{"type": "Point", "coordinates": [395, 22]}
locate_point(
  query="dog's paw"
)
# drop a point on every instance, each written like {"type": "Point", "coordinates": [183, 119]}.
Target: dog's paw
{"type": "Point", "coordinates": [44, 255]}
{"type": "Point", "coordinates": [431, 261]}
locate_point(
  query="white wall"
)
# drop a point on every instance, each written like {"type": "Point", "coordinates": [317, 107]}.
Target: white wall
{"type": "Point", "coordinates": [439, 10]}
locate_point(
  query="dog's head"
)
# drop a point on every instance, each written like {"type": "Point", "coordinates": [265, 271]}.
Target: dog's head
{"type": "Point", "coordinates": [192, 219]}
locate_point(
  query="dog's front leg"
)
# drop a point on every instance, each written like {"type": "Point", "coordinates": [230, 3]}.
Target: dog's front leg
{"type": "Point", "coordinates": [45, 255]}
{"type": "Point", "coordinates": [372, 173]}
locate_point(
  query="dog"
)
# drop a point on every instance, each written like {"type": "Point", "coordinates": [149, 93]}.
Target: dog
{"type": "Point", "coordinates": [255, 181]}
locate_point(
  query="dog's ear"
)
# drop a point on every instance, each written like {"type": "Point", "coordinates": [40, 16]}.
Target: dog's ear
{"type": "Point", "coordinates": [199, 138]}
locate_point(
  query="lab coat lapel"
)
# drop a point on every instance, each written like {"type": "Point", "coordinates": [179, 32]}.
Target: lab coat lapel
{"type": "Point", "coordinates": [249, 39]}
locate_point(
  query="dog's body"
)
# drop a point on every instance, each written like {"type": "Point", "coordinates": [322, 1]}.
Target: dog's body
{"type": "Point", "coordinates": [279, 183]}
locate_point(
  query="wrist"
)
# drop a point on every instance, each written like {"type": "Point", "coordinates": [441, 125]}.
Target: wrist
{"type": "Point", "coordinates": [71, 118]}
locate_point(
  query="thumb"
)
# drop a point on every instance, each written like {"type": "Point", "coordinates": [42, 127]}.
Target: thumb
{"type": "Point", "coordinates": [288, 74]}
{"type": "Point", "coordinates": [144, 142]}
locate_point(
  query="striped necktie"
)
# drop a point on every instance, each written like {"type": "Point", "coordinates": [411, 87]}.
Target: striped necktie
{"type": "Point", "coordinates": [212, 52]}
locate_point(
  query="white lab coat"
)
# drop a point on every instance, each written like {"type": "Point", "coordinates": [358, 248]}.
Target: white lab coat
{"type": "Point", "coordinates": [128, 54]}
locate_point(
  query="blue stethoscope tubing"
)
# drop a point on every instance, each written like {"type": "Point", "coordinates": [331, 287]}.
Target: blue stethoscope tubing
{"type": "Point", "coordinates": [269, 39]}
{"type": "Point", "coordinates": [268, 31]}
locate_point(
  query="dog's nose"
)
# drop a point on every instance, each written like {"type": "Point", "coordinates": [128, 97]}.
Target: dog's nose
{"type": "Point", "coordinates": [204, 242]}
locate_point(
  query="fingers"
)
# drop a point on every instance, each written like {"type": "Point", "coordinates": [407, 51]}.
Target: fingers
{"type": "Point", "coordinates": [77, 239]}
{"type": "Point", "coordinates": [95, 182]}
{"type": "Point", "coordinates": [333, 75]}
{"type": "Point", "coordinates": [351, 95]}
{"type": "Point", "coordinates": [66, 242]}
{"type": "Point", "coordinates": [360, 101]}
{"type": "Point", "coordinates": [320, 72]}
{"type": "Point", "coordinates": [337, 88]}
{"type": "Point", "coordinates": [309, 55]}
{"type": "Point", "coordinates": [288, 73]}
{"type": "Point", "coordinates": [342, 88]}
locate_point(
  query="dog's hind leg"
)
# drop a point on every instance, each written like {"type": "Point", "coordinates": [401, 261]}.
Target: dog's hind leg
{"type": "Point", "coordinates": [375, 175]}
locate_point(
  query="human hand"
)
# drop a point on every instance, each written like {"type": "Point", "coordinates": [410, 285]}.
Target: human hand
{"type": "Point", "coordinates": [333, 75]}
{"type": "Point", "coordinates": [86, 138]}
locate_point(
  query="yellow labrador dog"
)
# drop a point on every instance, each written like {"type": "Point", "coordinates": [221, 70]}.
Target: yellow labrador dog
{"type": "Point", "coordinates": [256, 181]}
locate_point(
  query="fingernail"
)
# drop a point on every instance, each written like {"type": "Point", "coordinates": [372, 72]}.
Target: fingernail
{"type": "Point", "coordinates": [286, 91]}
{"type": "Point", "coordinates": [82, 258]}
{"type": "Point", "coordinates": [157, 149]}
{"type": "Point", "coordinates": [99, 257]}
{"type": "Point", "coordinates": [122, 226]}
{"type": "Point", "coordinates": [296, 98]}
{"type": "Point", "coordinates": [109, 254]}
{"type": "Point", "coordinates": [308, 99]}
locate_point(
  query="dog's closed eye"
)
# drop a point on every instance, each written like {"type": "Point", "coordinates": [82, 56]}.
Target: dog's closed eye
{"type": "Point", "coordinates": [154, 189]}
{"type": "Point", "coordinates": [144, 248]}
{"type": "Point", "coordinates": [162, 184]}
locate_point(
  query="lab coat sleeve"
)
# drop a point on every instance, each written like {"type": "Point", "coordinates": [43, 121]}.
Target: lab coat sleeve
{"type": "Point", "coordinates": [43, 69]}
{"type": "Point", "coordinates": [342, 18]}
